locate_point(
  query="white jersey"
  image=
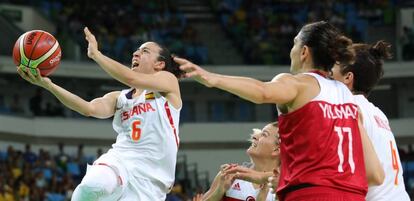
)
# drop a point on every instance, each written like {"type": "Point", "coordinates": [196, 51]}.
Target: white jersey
{"type": "Point", "coordinates": [381, 136]}
{"type": "Point", "coordinates": [244, 191]}
{"type": "Point", "coordinates": [147, 141]}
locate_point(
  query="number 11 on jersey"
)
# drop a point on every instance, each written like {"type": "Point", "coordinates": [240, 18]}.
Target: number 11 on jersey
{"type": "Point", "coordinates": [340, 131]}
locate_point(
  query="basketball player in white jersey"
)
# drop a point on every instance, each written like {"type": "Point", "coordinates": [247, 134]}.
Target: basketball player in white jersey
{"type": "Point", "coordinates": [361, 77]}
{"type": "Point", "coordinates": [141, 163]}
{"type": "Point", "coordinates": [264, 156]}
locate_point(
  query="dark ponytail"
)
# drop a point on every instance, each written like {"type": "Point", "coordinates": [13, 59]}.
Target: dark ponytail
{"type": "Point", "coordinates": [327, 45]}
{"type": "Point", "coordinates": [170, 65]}
{"type": "Point", "coordinates": [381, 50]}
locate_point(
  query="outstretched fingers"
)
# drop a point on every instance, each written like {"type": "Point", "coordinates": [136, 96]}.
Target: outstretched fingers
{"type": "Point", "coordinates": [88, 34]}
{"type": "Point", "coordinates": [23, 74]}
{"type": "Point", "coordinates": [27, 75]}
{"type": "Point", "coordinates": [181, 61]}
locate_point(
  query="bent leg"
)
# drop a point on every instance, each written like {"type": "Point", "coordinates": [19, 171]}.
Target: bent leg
{"type": "Point", "coordinates": [99, 182]}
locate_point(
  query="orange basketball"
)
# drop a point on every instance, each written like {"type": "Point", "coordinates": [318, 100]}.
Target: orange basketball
{"type": "Point", "coordinates": [37, 49]}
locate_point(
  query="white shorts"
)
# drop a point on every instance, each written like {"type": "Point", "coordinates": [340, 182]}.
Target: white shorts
{"type": "Point", "coordinates": [132, 188]}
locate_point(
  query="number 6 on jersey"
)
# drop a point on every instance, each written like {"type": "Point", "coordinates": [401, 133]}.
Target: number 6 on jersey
{"type": "Point", "coordinates": [136, 130]}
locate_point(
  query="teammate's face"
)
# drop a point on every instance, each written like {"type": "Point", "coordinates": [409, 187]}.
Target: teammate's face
{"type": "Point", "coordinates": [265, 144]}
{"type": "Point", "coordinates": [347, 78]}
{"type": "Point", "coordinates": [295, 52]}
{"type": "Point", "coordinates": [336, 73]}
{"type": "Point", "coordinates": [144, 59]}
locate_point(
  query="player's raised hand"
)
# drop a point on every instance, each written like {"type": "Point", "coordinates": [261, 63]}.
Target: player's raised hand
{"type": "Point", "coordinates": [92, 43]}
{"type": "Point", "coordinates": [249, 174]}
{"type": "Point", "coordinates": [198, 197]}
{"type": "Point", "coordinates": [196, 72]}
{"type": "Point", "coordinates": [273, 181]}
{"type": "Point", "coordinates": [225, 179]}
{"type": "Point", "coordinates": [34, 79]}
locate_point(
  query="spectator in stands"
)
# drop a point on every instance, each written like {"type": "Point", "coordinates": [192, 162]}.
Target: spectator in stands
{"type": "Point", "coordinates": [29, 156]}
{"type": "Point", "coordinates": [177, 193]}
{"type": "Point", "coordinates": [6, 193]}
{"type": "Point", "coordinates": [62, 158]}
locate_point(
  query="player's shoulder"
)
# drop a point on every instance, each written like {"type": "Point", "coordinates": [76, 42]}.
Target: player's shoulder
{"type": "Point", "coordinates": [286, 77]}
{"type": "Point", "coordinates": [166, 75]}
{"type": "Point", "coordinates": [113, 94]}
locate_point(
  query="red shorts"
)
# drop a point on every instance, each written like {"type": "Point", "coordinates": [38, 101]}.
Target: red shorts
{"type": "Point", "coordinates": [320, 193]}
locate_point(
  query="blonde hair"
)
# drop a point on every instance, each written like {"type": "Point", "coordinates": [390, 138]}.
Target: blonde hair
{"type": "Point", "coordinates": [258, 131]}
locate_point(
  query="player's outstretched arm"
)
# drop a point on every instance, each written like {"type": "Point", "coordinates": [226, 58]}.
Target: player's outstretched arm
{"type": "Point", "coordinates": [162, 81]}
{"type": "Point", "coordinates": [374, 171]}
{"type": "Point", "coordinates": [100, 108]}
{"type": "Point", "coordinates": [282, 89]}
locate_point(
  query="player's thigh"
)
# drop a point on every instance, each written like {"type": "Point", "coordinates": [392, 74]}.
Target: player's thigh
{"type": "Point", "coordinates": [139, 189]}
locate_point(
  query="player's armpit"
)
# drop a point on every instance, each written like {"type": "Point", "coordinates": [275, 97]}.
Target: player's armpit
{"type": "Point", "coordinates": [104, 107]}
{"type": "Point", "coordinates": [282, 89]}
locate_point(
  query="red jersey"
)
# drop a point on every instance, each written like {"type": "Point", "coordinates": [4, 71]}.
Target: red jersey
{"type": "Point", "coordinates": [321, 143]}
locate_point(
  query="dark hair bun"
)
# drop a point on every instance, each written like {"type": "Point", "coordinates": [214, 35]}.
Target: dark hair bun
{"type": "Point", "coordinates": [381, 50]}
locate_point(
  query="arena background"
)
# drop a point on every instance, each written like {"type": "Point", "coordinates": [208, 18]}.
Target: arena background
{"type": "Point", "coordinates": [236, 37]}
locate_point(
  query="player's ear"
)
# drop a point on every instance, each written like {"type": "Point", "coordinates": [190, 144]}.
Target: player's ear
{"type": "Point", "coordinates": [349, 78]}
{"type": "Point", "coordinates": [305, 53]}
{"type": "Point", "coordinates": [159, 65]}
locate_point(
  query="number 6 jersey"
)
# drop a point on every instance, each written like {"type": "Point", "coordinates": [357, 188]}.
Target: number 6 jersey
{"type": "Point", "coordinates": [147, 140]}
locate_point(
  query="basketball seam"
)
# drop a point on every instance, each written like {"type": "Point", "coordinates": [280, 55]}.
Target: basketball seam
{"type": "Point", "coordinates": [34, 47]}
{"type": "Point", "coordinates": [47, 50]}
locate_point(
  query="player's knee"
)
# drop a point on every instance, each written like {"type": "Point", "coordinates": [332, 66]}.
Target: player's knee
{"type": "Point", "coordinates": [89, 191]}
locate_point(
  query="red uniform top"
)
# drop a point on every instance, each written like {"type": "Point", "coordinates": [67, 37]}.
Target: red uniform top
{"type": "Point", "coordinates": [321, 143]}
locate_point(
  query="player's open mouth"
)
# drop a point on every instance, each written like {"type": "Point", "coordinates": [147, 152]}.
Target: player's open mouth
{"type": "Point", "coordinates": [254, 144]}
{"type": "Point", "coordinates": [135, 64]}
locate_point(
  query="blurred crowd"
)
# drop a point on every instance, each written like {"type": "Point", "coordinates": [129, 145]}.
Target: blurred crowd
{"type": "Point", "coordinates": [52, 176]}
{"type": "Point", "coordinates": [121, 26]}
{"type": "Point", "coordinates": [264, 29]}
{"type": "Point", "coordinates": [29, 176]}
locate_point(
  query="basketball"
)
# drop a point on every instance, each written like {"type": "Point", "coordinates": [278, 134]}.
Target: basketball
{"type": "Point", "coordinates": [37, 49]}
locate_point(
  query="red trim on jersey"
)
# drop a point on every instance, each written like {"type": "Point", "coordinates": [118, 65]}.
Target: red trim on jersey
{"type": "Point", "coordinates": [167, 109]}
{"type": "Point", "coordinates": [119, 177]}
{"type": "Point", "coordinates": [319, 72]}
